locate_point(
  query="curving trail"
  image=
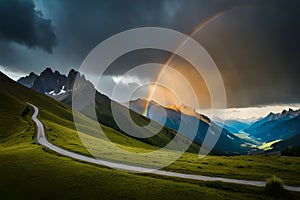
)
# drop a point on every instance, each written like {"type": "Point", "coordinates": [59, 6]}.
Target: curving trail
{"type": "Point", "coordinates": [42, 139]}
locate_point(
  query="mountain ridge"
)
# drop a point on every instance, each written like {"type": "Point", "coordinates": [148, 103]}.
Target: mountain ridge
{"type": "Point", "coordinates": [183, 108]}
{"type": "Point", "coordinates": [228, 144]}
{"type": "Point", "coordinates": [270, 121]}
{"type": "Point", "coordinates": [82, 87]}
{"type": "Point", "coordinates": [60, 87]}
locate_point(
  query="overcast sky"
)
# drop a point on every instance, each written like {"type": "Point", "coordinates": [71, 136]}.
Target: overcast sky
{"type": "Point", "coordinates": [255, 45]}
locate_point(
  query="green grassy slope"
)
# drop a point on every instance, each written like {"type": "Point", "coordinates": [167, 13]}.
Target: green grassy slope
{"type": "Point", "coordinates": [253, 167]}
{"type": "Point", "coordinates": [60, 114]}
{"type": "Point", "coordinates": [249, 167]}
{"type": "Point", "coordinates": [57, 116]}
{"type": "Point", "coordinates": [104, 116]}
{"type": "Point", "coordinates": [14, 129]}
{"type": "Point", "coordinates": [29, 171]}
{"type": "Point", "coordinates": [58, 120]}
{"type": "Point", "coordinates": [61, 131]}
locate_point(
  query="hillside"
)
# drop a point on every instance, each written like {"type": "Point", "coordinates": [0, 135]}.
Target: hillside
{"type": "Point", "coordinates": [104, 112]}
{"type": "Point", "coordinates": [103, 106]}
{"type": "Point", "coordinates": [39, 173]}
{"type": "Point", "coordinates": [288, 147]}
{"type": "Point", "coordinates": [53, 113]}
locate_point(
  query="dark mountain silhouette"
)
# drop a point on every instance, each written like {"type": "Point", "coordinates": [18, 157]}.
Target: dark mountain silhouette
{"type": "Point", "coordinates": [54, 84]}
{"type": "Point", "coordinates": [28, 80]}
{"type": "Point", "coordinates": [49, 81]}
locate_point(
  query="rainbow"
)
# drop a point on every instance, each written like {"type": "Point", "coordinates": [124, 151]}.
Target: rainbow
{"type": "Point", "coordinates": [169, 60]}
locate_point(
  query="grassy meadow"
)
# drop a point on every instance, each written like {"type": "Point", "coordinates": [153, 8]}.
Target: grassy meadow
{"type": "Point", "coordinates": [30, 171]}
{"type": "Point", "coordinates": [249, 167]}
{"type": "Point", "coordinates": [37, 173]}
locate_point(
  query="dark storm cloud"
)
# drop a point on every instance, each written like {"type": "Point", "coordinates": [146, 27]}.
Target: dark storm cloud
{"type": "Point", "coordinates": [81, 25]}
{"type": "Point", "coordinates": [256, 44]}
{"type": "Point", "coordinates": [257, 49]}
{"type": "Point", "coordinates": [21, 23]}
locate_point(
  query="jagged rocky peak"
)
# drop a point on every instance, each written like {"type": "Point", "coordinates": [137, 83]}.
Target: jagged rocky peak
{"type": "Point", "coordinates": [271, 115]}
{"type": "Point", "coordinates": [48, 70]}
{"type": "Point", "coordinates": [288, 113]}
{"type": "Point", "coordinates": [28, 80]}
{"type": "Point", "coordinates": [53, 83]}
{"type": "Point", "coordinates": [70, 79]}
{"type": "Point", "coordinates": [49, 82]}
{"type": "Point", "coordinates": [285, 114]}
{"type": "Point", "coordinates": [72, 74]}
{"type": "Point", "coordinates": [47, 74]}
{"type": "Point", "coordinates": [81, 81]}
{"type": "Point", "coordinates": [293, 112]}
{"type": "Point", "coordinates": [32, 74]}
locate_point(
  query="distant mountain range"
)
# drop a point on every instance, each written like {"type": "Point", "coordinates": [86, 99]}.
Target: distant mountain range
{"type": "Point", "coordinates": [177, 116]}
{"type": "Point", "coordinates": [284, 126]}
{"type": "Point", "coordinates": [276, 126]}
{"type": "Point", "coordinates": [234, 126]}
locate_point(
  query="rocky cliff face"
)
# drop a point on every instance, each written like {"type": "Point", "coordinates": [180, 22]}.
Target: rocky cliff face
{"type": "Point", "coordinates": [54, 84]}
{"type": "Point", "coordinates": [49, 81]}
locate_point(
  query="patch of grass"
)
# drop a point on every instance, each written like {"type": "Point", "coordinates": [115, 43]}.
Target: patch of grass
{"type": "Point", "coordinates": [268, 145]}
{"type": "Point", "coordinates": [274, 184]}
{"type": "Point", "coordinates": [252, 167]}
{"type": "Point", "coordinates": [259, 167]}
{"type": "Point", "coordinates": [42, 175]}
